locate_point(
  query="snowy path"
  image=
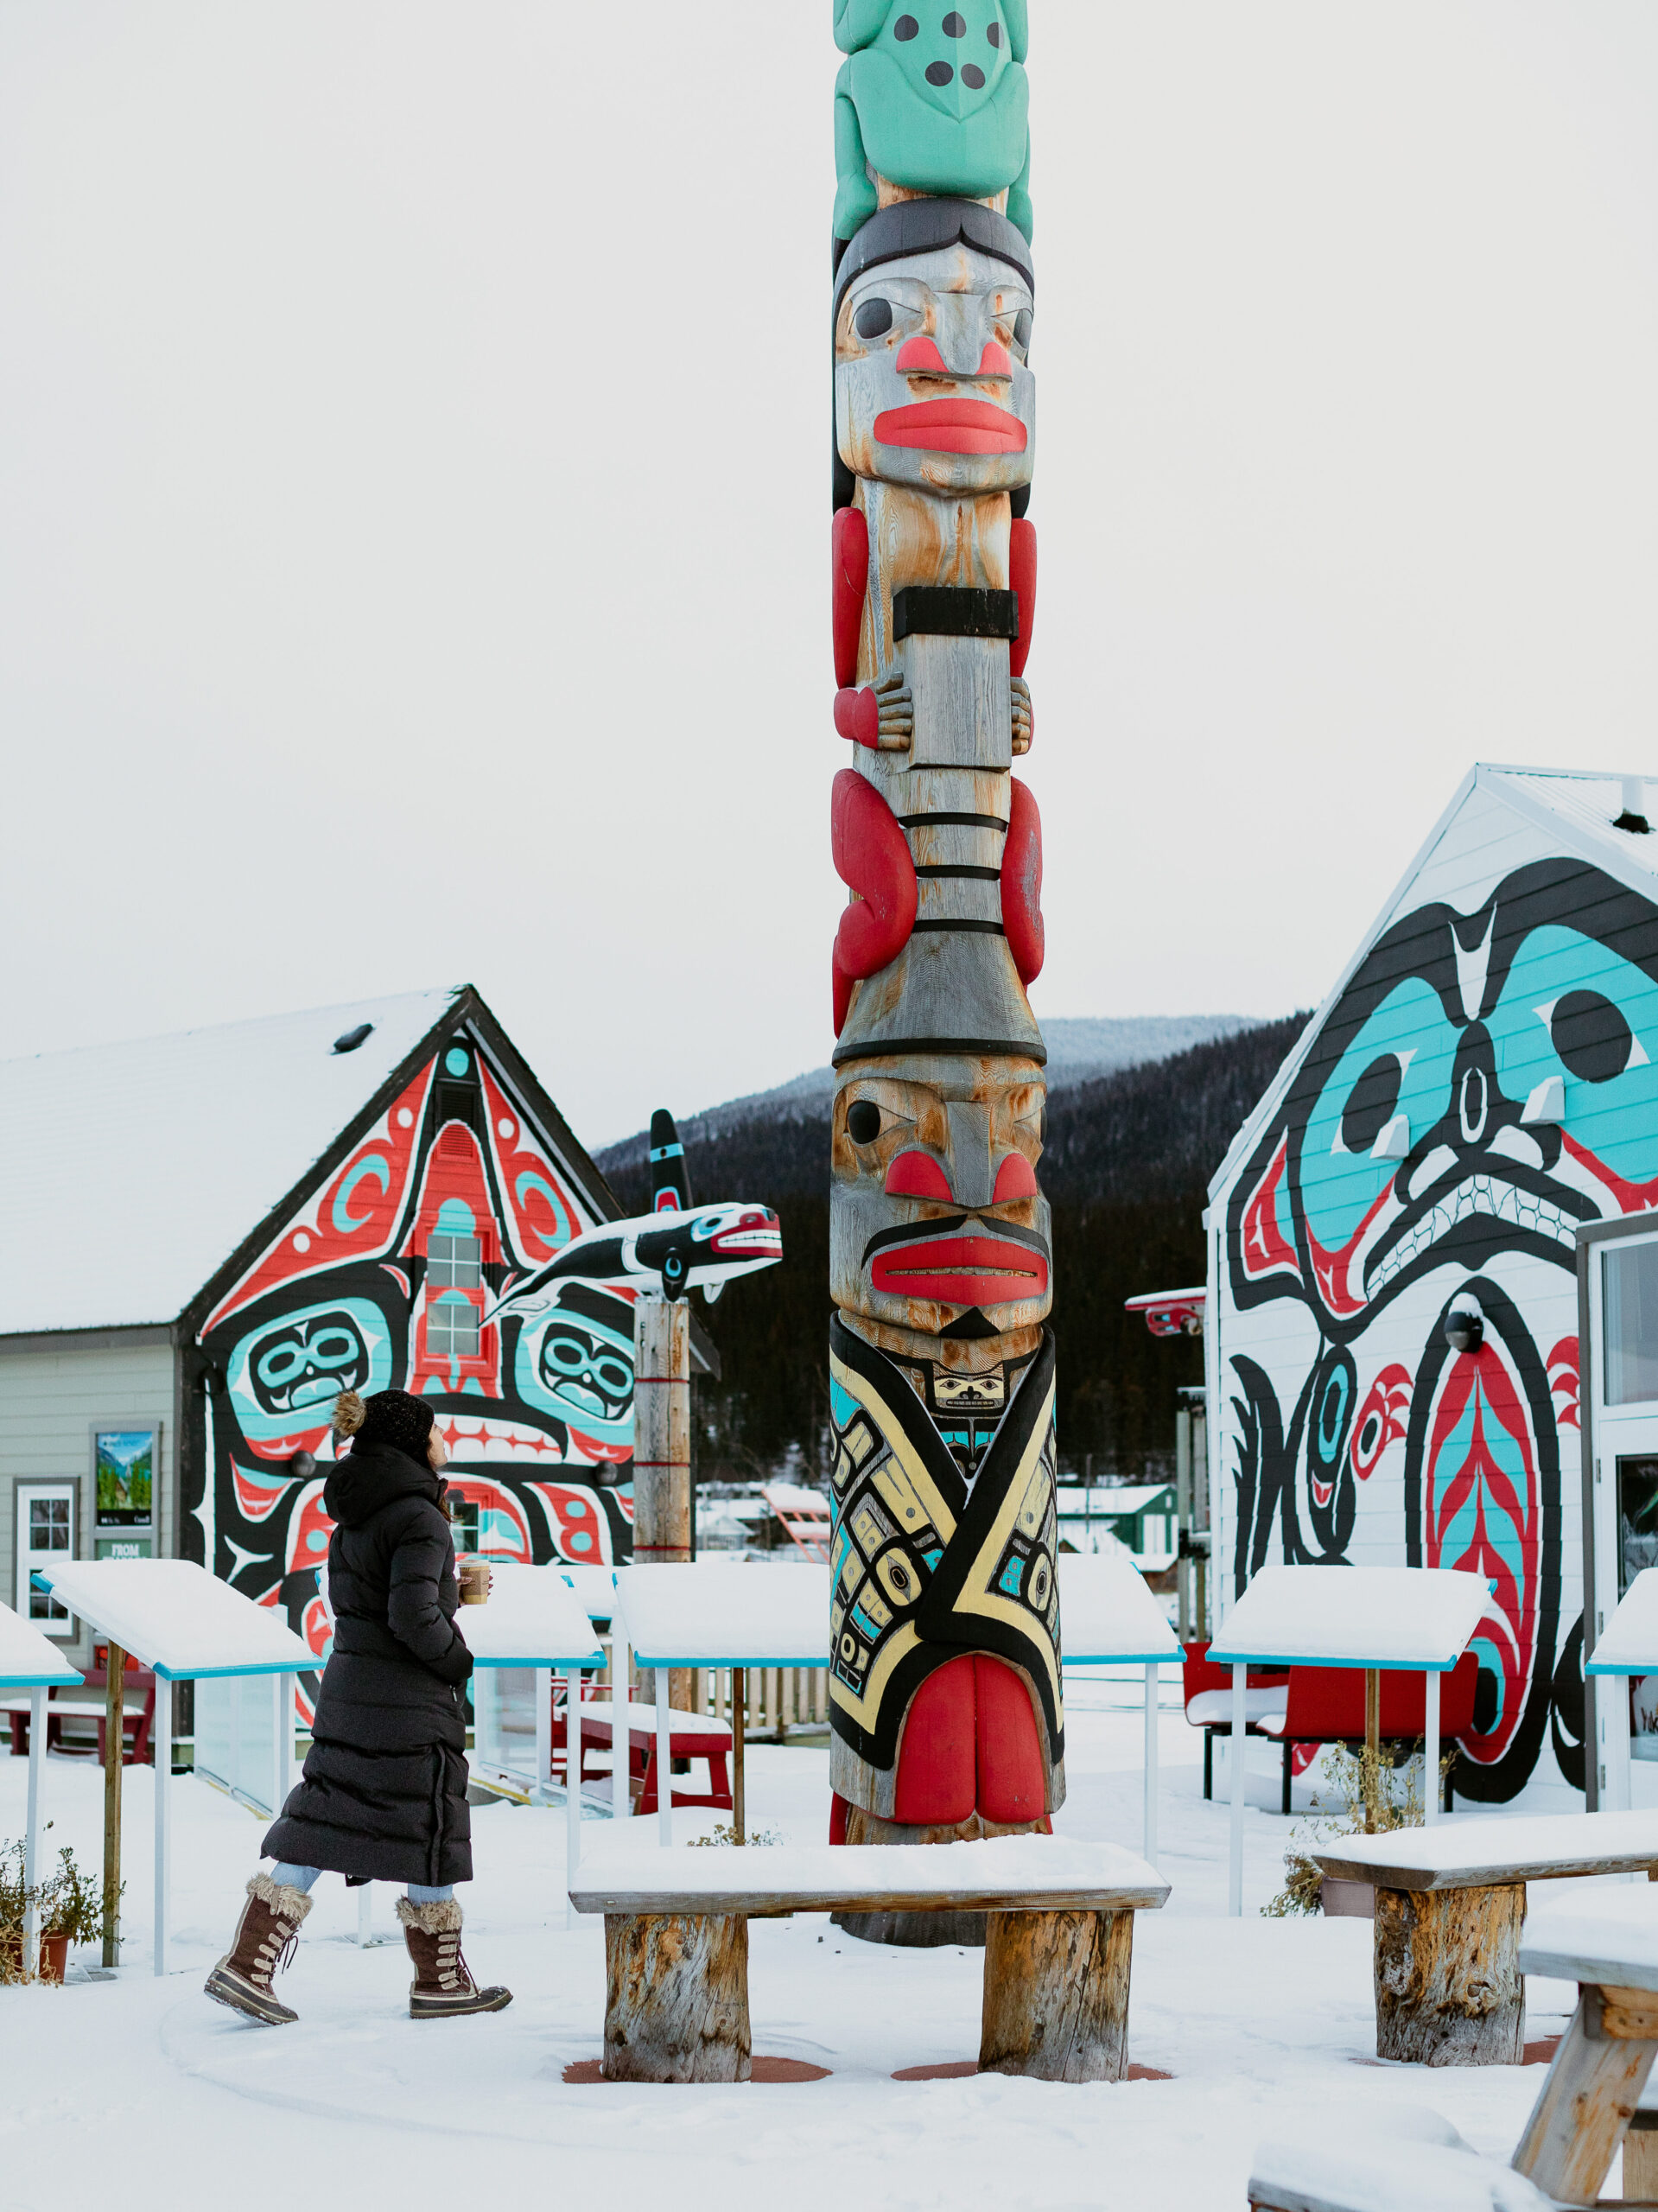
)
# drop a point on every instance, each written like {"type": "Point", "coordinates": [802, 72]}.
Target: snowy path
{"type": "Point", "coordinates": [140, 2093]}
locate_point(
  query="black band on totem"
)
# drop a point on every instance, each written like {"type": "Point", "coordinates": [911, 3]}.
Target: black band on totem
{"type": "Point", "coordinates": [952, 611]}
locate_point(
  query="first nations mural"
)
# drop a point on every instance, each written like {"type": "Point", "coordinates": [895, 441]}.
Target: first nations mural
{"type": "Point", "coordinates": [945, 1703]}
{"type": "Point", "coordinates": [1419, 1162]}
{"type": "Point", "coordinates": [396, 1272]}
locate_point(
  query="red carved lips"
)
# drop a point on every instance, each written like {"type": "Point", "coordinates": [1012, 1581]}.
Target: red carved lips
{"type": "Point", "coordinates": [952, 426]}
{"type": "Point", "coordinates": [960, 1270]}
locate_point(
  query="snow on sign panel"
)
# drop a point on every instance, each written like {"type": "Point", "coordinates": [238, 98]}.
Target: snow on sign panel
{"type": "Point", "coordinates": [533, 1618]}
{"type": "Point", "coordinates": [1108, 1612]}
{"type": "Point", "coordinates": [178, 1619]}
{"type": "Point", "coordinates": [1629, 1645]}
{"type": "Point", "coordinates": [1381, 1616]}
{"type": "Point", "coordinates": [27, 1658]}
{"type": "Point", "coordinates": [726, 1616]}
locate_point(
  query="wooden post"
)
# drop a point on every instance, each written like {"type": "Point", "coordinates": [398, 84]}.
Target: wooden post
{"type": "Point", "coordinates": [677, 2003]}
{"type": "Point", "coordinates": [1234, 1760]}
{"type": "Point", "coordinates": [572, 1781]}
{"type": "Point", "coordinates": [662, 1450]}
{"type": "Point", "coordinates": [739, 1699]}
{"type": "Point", "coordinates": [1449, 1991]}
{"type": "Point", "coordinates": [621, 1717]}
{"type": "Point", "coordinates": [114, 1745]}
{"type": "Point", "coordinates": [1431, 1805]}
{"type": "Point", "coordinates": [1055, 1995]}
{"type": "Point", "coordinates": [1372, 1775]}
{"type": "Point", "coordinates": [1592, 2087]}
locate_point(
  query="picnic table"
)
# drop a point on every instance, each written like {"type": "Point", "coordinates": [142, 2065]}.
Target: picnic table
{"type": "Point", "coordinates": [31, 1661]}
{"type": "Point", "coordinates": [1058, 1954]}
{"type": "Point", "coordinates": [1608, 1944]}
{"type": "Point", "coordinates": [1109, 1617]}
{"type": "Point", "coordinates": [718, 1616]}
{"type": "Point", "coordinates": [1450, 1906]}
{"type": "Point", "coordinates": [188, 1626]}
{"type": "Point", "coordinates": [691, 1736]}
{"type": "Point", "coordinates": [1382, 1619]}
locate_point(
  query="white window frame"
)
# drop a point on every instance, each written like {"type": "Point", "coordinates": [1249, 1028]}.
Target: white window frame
{"type": "Point", "coordinates": [65, 1628]}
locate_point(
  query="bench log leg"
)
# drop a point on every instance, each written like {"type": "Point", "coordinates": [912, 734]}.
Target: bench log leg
{"type": "Point", "coordinates": [676, 2007]}
{"type": "Point", "coordinates": [1449, 1991]}
{"type": "Point", "coordinates": [1055, 1995]}
{"type": "Point", "coordinates": [1592, 2087]}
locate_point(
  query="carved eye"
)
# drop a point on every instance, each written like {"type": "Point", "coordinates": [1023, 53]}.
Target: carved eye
{"type": "Point", "coordinates": [873, 318]}
{"type": "Point", "coordinates": [863, 1121]}
{"type": "Point", "coordinates": [1022, 329]}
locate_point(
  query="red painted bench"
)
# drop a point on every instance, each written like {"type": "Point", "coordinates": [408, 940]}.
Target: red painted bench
{"type": "Point", "coordinates": [1207, 1691]}
{"type": "Point", "coordinates": [691, 1736]}
{"type": "Point", "coordinates": [1326, 1704]}
{"type": "Point", "coordinates": [136, 1719]}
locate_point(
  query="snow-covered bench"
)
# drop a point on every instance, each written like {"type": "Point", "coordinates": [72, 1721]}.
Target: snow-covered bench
{"type": "Point", "coordinates": [1450, 1902]}
{"type": "Point", "coordinates": [1608, 1944]}
{"type": "Point", "coordinates": [692, 1735]}
{"type": "Point", "coordinates": [1056, 1961]}
{"type": "Point", "coordinates": [1409, 2161]}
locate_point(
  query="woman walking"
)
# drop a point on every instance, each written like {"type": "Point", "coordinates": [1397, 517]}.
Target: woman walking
{"type": "Point", "coordinates": [382, 1795]}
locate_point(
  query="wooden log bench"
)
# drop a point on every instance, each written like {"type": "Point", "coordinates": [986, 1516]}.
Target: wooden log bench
{"type": "Point", "coordinates": [1450, 1903]}
{"type": "Point", "coordinates": [1608, 1944]}
{"type": "Point", "coordinates": [1056, 1967]}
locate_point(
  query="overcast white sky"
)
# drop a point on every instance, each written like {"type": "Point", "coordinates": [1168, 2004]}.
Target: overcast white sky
{"type": "Point", "coordinates": [414, 510]}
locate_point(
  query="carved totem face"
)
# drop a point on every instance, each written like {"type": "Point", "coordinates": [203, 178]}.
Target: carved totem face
{"type": "Point", "coordinates": [930, 384]}
{"type": "Point", "coordinates": [934, 1214]}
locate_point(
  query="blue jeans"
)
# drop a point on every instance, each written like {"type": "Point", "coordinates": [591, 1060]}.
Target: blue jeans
{"type": "Point", "coordinates": [303, 1878]}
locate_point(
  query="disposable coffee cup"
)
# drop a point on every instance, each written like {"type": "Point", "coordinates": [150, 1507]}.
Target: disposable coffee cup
{"type": "Point", "coordinates": [474, 1580]}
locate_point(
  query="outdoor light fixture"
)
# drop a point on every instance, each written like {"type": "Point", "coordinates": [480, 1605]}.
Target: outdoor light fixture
{"type": "Point", "coordinates": [1464, 1325]}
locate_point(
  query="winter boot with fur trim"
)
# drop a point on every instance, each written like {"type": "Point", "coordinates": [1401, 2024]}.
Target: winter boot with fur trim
{"type": "Point", "coordinates": [443, 1983]}
{"type": "Point", "coordinates": [265, 1936]}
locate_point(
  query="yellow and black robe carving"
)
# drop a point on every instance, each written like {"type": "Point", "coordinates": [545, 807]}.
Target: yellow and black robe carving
{"type": "Point", "coordinates": [929, 1562]}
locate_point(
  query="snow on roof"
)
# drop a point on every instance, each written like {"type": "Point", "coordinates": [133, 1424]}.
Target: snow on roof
{"type": "Point", "coordinates": [1109, 1501]}
{"type": "Point", "coordinates": [129, 1172]}
{"type": "Point", "coordinates": [1574, 810]}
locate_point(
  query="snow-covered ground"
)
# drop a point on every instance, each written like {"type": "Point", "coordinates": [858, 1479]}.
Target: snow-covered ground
{"type": "Point", "coordinates": [135, 2092]}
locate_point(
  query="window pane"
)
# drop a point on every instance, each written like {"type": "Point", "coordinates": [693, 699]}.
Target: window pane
{"type": "Point", "coordinates": [1631, 1284]}
{"type": "Point", "coordinates": [467, 1253]}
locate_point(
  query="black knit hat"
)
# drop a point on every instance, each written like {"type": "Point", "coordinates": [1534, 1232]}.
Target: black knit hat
{"type": "Point", "coordinates": [393, 1417]}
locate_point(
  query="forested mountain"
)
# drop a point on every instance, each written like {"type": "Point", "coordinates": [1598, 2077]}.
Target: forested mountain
{"type": "Point", "coordinates": [1127, 1162]}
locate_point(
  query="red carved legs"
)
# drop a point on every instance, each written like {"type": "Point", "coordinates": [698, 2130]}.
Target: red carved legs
{"type": "Point", "coordinates": [970, 1745]}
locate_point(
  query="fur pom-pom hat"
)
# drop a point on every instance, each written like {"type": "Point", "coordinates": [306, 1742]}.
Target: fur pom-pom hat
{"type": "Point", "coordinates": [394, 1417]}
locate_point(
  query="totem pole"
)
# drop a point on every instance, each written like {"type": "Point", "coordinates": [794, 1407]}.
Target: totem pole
{"type": "Point", "coordinates": [945, 1705]}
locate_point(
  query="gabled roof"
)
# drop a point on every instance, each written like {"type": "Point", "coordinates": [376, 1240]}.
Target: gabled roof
{"type": "Point", "coordinates": [1575, 809]}
{"type": "Point", "coordinates": [131, 1173]}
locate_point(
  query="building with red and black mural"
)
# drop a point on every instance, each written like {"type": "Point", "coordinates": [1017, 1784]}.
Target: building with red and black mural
{"type": "Point", "coordinates": [271, 1212]}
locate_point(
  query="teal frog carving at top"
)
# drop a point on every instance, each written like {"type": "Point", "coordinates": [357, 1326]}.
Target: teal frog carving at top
{"type": "Point", "coordinates": [933, 99]}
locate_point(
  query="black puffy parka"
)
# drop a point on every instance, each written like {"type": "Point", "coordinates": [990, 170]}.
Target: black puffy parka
{"type": "Point", "coordinates": [383, 1796]}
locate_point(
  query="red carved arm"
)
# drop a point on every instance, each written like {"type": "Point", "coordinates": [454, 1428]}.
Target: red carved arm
{"type": "Point", "coordinates": [872, 857]}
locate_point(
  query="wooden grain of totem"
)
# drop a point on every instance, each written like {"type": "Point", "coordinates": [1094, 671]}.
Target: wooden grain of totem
{"type": "Point", "coordinates": [945, 1698]}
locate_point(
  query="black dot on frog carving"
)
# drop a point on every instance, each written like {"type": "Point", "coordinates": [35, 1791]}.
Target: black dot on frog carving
{"type": "Point", "coordinates": [939, 73]}
{"type": "Point", "coordinates": [863, 1121]}
{"type": "Point", "coordinates": [973, 76]}
{"type": "Point", "coordinates": [955, 25]}
{"type": "Point", "coordinates": [994, 33]}
{"type": "Point", "coordinates": [906, 27]}
{"type": "Point", "coordinates": [873, 318]}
